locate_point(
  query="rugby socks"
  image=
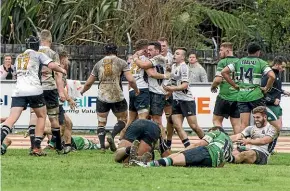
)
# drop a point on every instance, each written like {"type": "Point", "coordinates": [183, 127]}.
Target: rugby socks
{"type": "Point", "coordinates": [5, 130]}
{"type": "Point", "coordinates": [169, 143]}
{"type": "Point", "coordinates": [101, 134]}
{"type": "Point", "coordinates": [57, 137]}
{"type": "Point", "coordinates": [163, 146]}
{"type": "Point", "coordinates": [120, 125]}
{"type": "Point", "coordinates": [37, 142]}
{"type": "Point", "coordinates": [31, 130]}
{"type": "Point", "coordinates": [161, 162]}
{"type": "Point", "coordinates": [186, 142]}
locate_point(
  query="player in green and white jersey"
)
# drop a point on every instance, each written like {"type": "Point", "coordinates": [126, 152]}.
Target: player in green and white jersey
{"type": "Point", "coordinates": [213, 150]}
{"type": "Point", "coordinates": [248, 74]}
{"type": "Point", "coordinates": [226, 101]}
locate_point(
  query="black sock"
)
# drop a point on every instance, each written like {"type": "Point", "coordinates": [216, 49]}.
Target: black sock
{"type": "Point", "coordinates": [101, 134]}
{"type": "Point", "coordinates": [5, 130]}
{"type": "Point", "coordinates": [57, 137]}
{"type": "Point", "coordinates": [168, 143]}
{"type": "Point", "coordinates": [31, 130]}
{"type": "Point", "coordinates": [120, 125]}
{"type": "Point", "coordinates": [163, 146]}
{"type": "Point", "coordinates": [37, 142]}
{"type": "Point", "coordinates": [186, 142]}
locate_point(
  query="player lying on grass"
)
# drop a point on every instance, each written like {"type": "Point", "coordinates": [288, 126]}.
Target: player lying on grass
{"type": "Point", "coordinates": [213, 150]}
{"type": "Point", "coordinates": [258, 136]}
{"type": "Point", "coordinates": [139, 141]}
{"type": "Point", "coordinates": [77, 142]}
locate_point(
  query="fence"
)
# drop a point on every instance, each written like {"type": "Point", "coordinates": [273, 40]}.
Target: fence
{"type": "Point", "coordinates": [83, 58]}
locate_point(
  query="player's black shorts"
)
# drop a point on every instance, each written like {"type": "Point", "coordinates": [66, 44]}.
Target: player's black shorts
{"type": "Point", "coordinates": [103, 107]}
{"type": "Point", "coordinates": [247, 107]}
{"type": "Point", "coordinates": [157, 103]}
{"type": "Point", "coordinates": [198, 156]}
{"type": "Point", "coordinates": [61, 113]}
{"type": "Point", "coordinates": [51, 98]}
{"type": "Point", "coordinates": [262, 158]}
{"type": "Point", "coordinates": [169, 101]}
{"type": "Point", "coordinates": [36, 101]}
{"type": "Point", "coordinates": [143, 129]}
{"type": "Point", "coordinates": [186, 108]}
{"type": "Point", "coordinates": [226, 108]}
{"type": "Point", "coordinates": [142, 101]}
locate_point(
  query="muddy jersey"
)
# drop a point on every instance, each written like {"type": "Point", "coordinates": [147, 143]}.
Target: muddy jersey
{"type": "Point", "coordinates": [28, 71]}
{"type": "Point", "coordinates": [47, 77]}
{"type": "Point", "coordinates": [139, 74]}
{"type": "Point", "coordinates": [180, 74]}
{"type": "Point", "coordinates": [109, 71]}
{"type": "Point", "coordinates": [159, 64]}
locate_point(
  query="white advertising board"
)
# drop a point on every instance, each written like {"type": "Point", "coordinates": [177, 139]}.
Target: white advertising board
{"type": "Point", "coordinates": [85, 117]}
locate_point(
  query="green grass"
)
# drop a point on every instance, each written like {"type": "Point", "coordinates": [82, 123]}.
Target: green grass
{"type": "Point", "coordinates": [91, 170]}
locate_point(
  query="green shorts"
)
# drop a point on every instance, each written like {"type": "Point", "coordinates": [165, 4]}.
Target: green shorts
{"type": "Point", "coordinates": [274, 112]}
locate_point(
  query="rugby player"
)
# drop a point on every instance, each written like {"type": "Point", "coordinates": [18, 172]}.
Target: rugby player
{"type": "Point", "coordinates": [53, 89]}
{"type": "Point", "coordinates": [183, 105]}
{"type": "Point", "coordinates": [226, 101]}
{"type": "Point", "coordinates": [213, 150]}
{"type": "Point", "coordinates": [248, 74]}
{"type": "Point", "coordinates": [273, 97]}
{"type": "Point", "coordinates": [110, 95]}
{"type": "Point", "coordinates": [155, 68]}
{"type": "Point", "coordinates": [139, 141]}
{"type": "Point", "coordinates": [258, 136]}
{"type": "Point", "coordinates": [29, 91]}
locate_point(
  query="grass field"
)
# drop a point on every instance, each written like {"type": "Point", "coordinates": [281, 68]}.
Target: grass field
{"type": "Point", "coordinates": [91, 170]}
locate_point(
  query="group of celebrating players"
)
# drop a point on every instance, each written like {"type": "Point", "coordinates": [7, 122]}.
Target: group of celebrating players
{"type": "Point", "coordinates": [158, 83]}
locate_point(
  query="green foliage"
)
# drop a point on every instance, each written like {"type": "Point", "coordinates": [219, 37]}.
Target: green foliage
{"type": "Point", "coordinates": [92, 170]}
{"type": "Point", "coordinates": [184, 22]}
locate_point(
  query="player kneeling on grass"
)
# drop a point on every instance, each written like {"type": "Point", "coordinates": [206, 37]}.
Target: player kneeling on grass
{"type": "Point", "coordinates": [213, 150]}
{"type": "Point", "coordinates": [138, 142]}
{"type": "Point", "coordinates": [258, 136]}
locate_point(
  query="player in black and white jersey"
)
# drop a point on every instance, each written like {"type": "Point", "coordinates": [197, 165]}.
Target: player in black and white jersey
{"type": "Point", "coordinates": [183, 101]}
{"type": "Point", "coordinates": [155, 68]}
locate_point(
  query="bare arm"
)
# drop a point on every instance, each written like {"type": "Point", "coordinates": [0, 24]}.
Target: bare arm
{"type": "Point", "coordinates": [152, 73]}
{"type": "Point", "coordinates": [53, 66]}
{"type": "Point", "coordinates": [88, 84]}
{"type": "Point", "coordinates": [182, 86]}
{"type": "Point", "coordinates": [259, 141]}
{"type": "Point", "coordinates": [236, 137]}
{"type": "Point", "coordinates": [60, 85]}
{"type": "Point", "coordinates": [271, 79]}
{"type": "Point", "coordinates": [143, 64]}
{"type": "Point", "coordinates": [226, 74]}
{"type": "Point", "coordinates": [131, 80]}
{"type": "Point", "coordinates": [216, 82]}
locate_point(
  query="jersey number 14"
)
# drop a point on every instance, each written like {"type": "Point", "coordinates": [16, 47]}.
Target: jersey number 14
{"type": "Point", "coordinates": [246, 76]}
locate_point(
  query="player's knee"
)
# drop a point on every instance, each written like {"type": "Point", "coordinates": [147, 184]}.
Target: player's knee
{"type": "Point", "coordinates": [102, 121]}
{"type": "Point", "coordinates": [119, 154]}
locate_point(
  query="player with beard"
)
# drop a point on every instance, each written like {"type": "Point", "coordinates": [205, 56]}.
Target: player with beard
{"type": "Point", "coordinates": [155, 68]}
{"type": "Point", "coordinates": [259, 136]}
